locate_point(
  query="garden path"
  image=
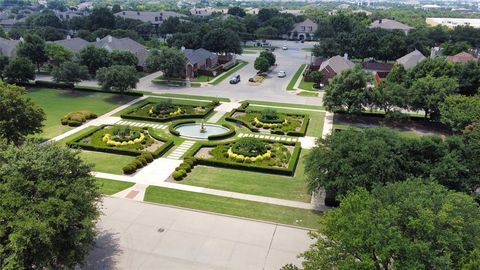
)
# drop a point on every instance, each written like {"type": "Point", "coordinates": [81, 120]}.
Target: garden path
{"type": "Point", "coordinates": [222, 109]}
{"type": "Point", "coordinates": [327, 124]}
{"type": "Point", "coordinates": [142, 124]}
{"type": "Point", "coordinates": [181, 150]}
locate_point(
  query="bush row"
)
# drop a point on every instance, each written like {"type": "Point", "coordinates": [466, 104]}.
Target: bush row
{"type": "Point", "coordinates": [138, 163]}
{"type": "Point", "coordinates": [229, 118]}
{"type": "Point", "coordinates": [65, 86]}
{"type": "Point", "coordinates": [75, 119]}
{"type": "Point", "coordinates": [183, 169]}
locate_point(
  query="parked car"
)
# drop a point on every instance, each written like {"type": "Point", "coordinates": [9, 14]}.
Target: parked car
{"type": "Point", "coordinates": [284, 47]}
{"type": "Point", "coordinates": [235, 79]}
{"type": "Point", "coordinates": [281, 74]}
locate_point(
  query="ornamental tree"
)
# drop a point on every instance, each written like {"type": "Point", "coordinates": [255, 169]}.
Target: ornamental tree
{"type": "Point", "coordinates": [118, 78]}
{"type": "Point", "coordinates": [407, 225]}
{"type": "Point", "coordinates": [269, 56]}
{"type": "Point", "coordinates": [48, 207]}
{"type": "Point", "coordinates": [20, 116]}
{"type": "Point", "coordinates": [70, 73]}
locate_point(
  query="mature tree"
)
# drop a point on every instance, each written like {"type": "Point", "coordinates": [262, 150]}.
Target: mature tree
{"type": "Point", "coordinates": [116, 8]}
{"type": "Point", "coordinates": [169, 26]}
{"type": "Point", "coordinates": [100, 17]}
{"type": "Point", "coordinates": [222, 41]}
{"type": "Point", "coordinates": [124, 58]}
{"type": "Point", "coordinates": [428, 92]}
{"type": "Point", "coordinates": [33, 47]}
{"type": "Point", "coordinates": [70, 73]}
{"type": "Point", "coordinates": [436, 67]}
{"type": "Point", "coordinates": [409, 225]}
{"type": "Point", "coordinates": [468, 78]}
{"type": "Point", "coordinates": [266, 14]}
{"type": "Point", "coordinates": [94, 58]}
{"type": "Point", "coordinates": [398, 74]}
{"type": "Point", "coordinates": [266, 32]}
{"type": "Point", "coordinates": [316, 76]}
{"type": "Point", "coordinates": [4, 60]}
{"type": "Point", "coordinates": [50, 33]}
{"type": "Point", "coordinates": [261, 64]}
{"type": "Point", "coordinates": [391, 45]}
{"type": "Point", "coordinates": [19, 70]}
{"type": "Point", "coordinates": [170, 61]}
{"type": "Point", "coordinates": [388, 96]}
{"type": "Point", "coordinates": [187, 40]}
{"type": "Point", "coordinates": [237, 11]}
{"type": "Point", "coordinates": [459, 111]}
{"type": "Point", "coordinates": [347, 91]}
{"type": "Point", "coordinates": [49, 207]}
{"type": "Point", "coordinates": [57, 54]}
{"type": "Point", "coordinates": [454, 48]}
{"type": "Point", "coordinates": [20, 116]}
{"type": "Point", "coordinates": [269, 56]}
{"type": "Point", "coordinates": [44, 19]}
{"type": "Point", "coordinates": [118, 78]}
{"type": "Point", "coordinates": [327, 48]}
{"type": "Point", "coordinates": [57, 4]}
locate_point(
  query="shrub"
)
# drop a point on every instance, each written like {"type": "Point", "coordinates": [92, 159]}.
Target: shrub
{"type": "Point", "coordinates": [143, 160]}
{"type": "Point", "coordinates": [129, 169]}
{"type": "Point", "coordinates": [163, 107]}
{"type": "Point", "coordinates": [137, 163]}
{"type": "Point", "coordinates": [179, 175]}
{"type": "Point", "coordinates": [75, 119]}
{"type": "Point", "coordinates": [249, 147]}
{"type": "Point", "coordinates": [148, 156]}
{"type": "Point", "coordinates": [215, 103]}
{"type": "Point", "coordinates": [186, 167]}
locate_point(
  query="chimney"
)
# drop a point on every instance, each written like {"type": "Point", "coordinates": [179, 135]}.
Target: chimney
{"type": "Point", "coordinates": [109, 38]}
{"type": "Point", "coordinates": [97, 39]}
{"type": "Point", "coordinates": [345, 56]}
{"type": "Point", "coordinates": [69, 37]}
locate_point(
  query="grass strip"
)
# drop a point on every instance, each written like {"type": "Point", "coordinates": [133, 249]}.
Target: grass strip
{"type": "Point", "coordinates": [110, 187]}
{"type": "Point", "coordinates": [229, 73]}
{"type": "Point", "coordinates": [299, 72]}
{"type": "Point", "coordinates": [235, 207]}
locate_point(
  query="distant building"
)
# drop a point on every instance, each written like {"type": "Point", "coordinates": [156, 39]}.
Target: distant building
{"type": "Point", "coordinates": [199, 59]}
{"type": "Point", "coordinates": [303, 31]}
{"type": "Point", "coordinates": [411, 60]}
{"type": "Point", "coordinates": [67, 15]}
{"type": "Point", "coordinates": [453, 22]}
{"type": "Point", "coordinates": [378, 68]}
{"type": "Point", "coordinates": [73, 44]}
{"type": "Point", "coordinates": [388, 24]}
{"type": "Point", "coordinates": [461, 58]}
{"type": "Point", "coordinates": [8, 47]}
{"type": "Point", "coordinates": [207, 11]}
{"type": "Point", "coordinates": [334, 66]}
{"type": "Point", "coordinates": [154, 17]}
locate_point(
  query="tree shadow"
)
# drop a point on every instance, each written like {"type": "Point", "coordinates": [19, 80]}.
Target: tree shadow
{"type": "Point", "coordinates": [105, 253]}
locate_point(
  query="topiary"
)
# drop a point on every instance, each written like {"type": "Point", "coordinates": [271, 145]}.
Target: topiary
{"type": "Point", "coordinates": [271, 116]}
{"type": "Point", "coordinates": [128, 169]}
{"type": "Point", "coordinates": [186, 167]}
{"type": "Point", "coordinates": [142, 159]}
{"type": "Point", "coordinates": [148, 156]}
{"type": "Point", "coordinates": [179, 175]}
{"type": "Point", "coordinates": [137, 163]}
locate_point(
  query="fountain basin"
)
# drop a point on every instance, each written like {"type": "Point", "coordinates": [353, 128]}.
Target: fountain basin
{"type": "Point", "coordinates": [193, 130]}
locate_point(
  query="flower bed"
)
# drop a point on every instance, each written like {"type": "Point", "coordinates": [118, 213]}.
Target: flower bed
{"type": "Point", "coordinates": [251, 154]}
{"type": "Point", "coordinates": [271, 122]}
{"type": "Point", "coordinates": [123, 140]}
{"type": "Point", "coordinates": [166, 111]}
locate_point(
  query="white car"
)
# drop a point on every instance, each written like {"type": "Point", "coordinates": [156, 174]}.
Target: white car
{"type": "Point", "coordinates": [284, 47]}
{"type": "Point", "coordinates": [281, 74]}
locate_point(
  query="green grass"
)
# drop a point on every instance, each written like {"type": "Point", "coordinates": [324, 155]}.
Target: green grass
{"type": "Point", "coordinates": [234, 207]}
{"type": "Point", "coordinates": [307, 94]}
{"type": "Point", "coordinates": [286, 105]}
{"type": "Point", "coordinates": [229, 73]}
{"type": "Point", "coordinates": [299, 72]}
{"type": "Point", "coordinates": [188, 96]}
{"type": "Point", "coordinates": [202, 78]}
{"type": "Point", "coordinates": [110, 187]}
{"type": "Point", "coordinates": [262, 184]}
{"type": "Point", "coordinates": [306, 85]}
{"type": "Point", "coordinates": [307, 49]}
{"type": "Point", "coordinates": [249, 52]}
{"type": "Point", "coordinates": [58, 103]}
{"type": "Point", "coordinates": [106, 163]}
{"type": "Point", "coordinates": [256, 48]}
{"type": "Point", "coordinates": [176, 101]}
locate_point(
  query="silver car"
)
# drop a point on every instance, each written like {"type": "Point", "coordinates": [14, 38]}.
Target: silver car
{"type": "Point", "coordinates": [281, 74]}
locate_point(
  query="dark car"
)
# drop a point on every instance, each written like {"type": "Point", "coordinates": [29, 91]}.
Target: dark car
{"type": "Point", "coordinates": [235, 79]}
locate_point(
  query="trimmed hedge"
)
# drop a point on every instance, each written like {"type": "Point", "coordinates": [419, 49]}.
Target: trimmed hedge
{"type": "Point", "coordinates": [75, 119]}
{"type": "Point", "coordinates": [138, 163]}
{"type": "Point", "coordinates": [289, 171]}
{"type": "Point", "coordinates": [65, 86]}
{"type": "Point", "coordinates": [183, 169]}
{"type": "Point", "coordinates": [229, 133]}
{"type": "Point", "coordinates": [303, 128]}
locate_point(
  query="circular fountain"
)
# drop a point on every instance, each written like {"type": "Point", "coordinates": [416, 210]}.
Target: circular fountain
{"type": "Point", "coordinates": [200, 130]}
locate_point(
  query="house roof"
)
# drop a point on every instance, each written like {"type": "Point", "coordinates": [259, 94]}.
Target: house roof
{"type": "Point", "coordinates": [195, 56]}
{"type": "Point", "coordinates": [412, 59]}
{"type": "Point", "coordinates": [8, 47]}
{"type": "Point", "coordinates": [377, 66]}
{"type": "Point", "coordinates": [390, 25]}
{"type": "Point", "coordinates": [74, 44]}
{"type": "Point", "coordinates": [154, 17]}
{"type": "Point", "coordinates": [337, 64]}
{"type": "Point", "coordinates": [463, 57]}
{"type": "Point", "coordinates": [298, 27]}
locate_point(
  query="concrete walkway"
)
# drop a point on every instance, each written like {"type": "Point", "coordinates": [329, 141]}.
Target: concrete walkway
{"type": "Point", "coordinates": [221, 110]}
{"type": "Point", "coordinates": [269, 137]}
{"type": "Point", "coordinates": [181, 150]}
{"type": "Point", "coordinates": [286, 108]}
{"type": "Point", "coordinates": [327, 124]}
{"type": "Point", "coordinates": [141, 124]}
{"type": "Point", "coordinates": [133, 235]}
{"type": "Point", "coordinates": [136, 192]}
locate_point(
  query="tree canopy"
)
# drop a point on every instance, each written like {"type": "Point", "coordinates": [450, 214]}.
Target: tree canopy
{"type": "Point", "coordinates": [70, 73]}
{"type": "Point", "coordinates": [33, 48]}
{"type": "Point", "coordinates": [170, 61]}
{"type": "Point", "coordinates": [94, 58]}
{"type": "Point", "coordinates": [118, 78]}
{"type": "Point", "coordinates": [19, 70]}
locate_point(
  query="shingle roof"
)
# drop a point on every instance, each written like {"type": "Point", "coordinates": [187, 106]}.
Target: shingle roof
{"type": "Point", "coordinates": [390, 25]}
{"type": "Point", "coordinates": [463, 57]}
{"type": "Point", "coordinates": [298, 27]}
{"type": "Point", "coordinates": [195, 56]}
{"type": "Point", "coordinates": [412, 59]}
{"type": "Point", "coordinates": [8, 47]}
{"type": "Point", "coordinates": [74, 44]}
{"type": "Point", "coordinates": [154, 17]}
{"type": "Point", "coordinates": [337, 64]}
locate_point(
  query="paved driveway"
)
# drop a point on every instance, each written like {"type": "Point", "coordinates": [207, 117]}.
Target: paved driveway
{"type": "Point", "coordinates": [136, 235]}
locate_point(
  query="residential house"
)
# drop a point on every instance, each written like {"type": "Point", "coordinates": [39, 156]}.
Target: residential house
{"type": "Point", "coordinates": [67, 15]}
{"type": "Point", "coordinates": [154, 17]}
{"type": "Point", "coordinates": [207, 11]}
{"type": "Point", "coordinates": [8, 47]}
{"type": "Point", "coordinates": [378, 68]}
{"type": "Point", "coordinates": [199, 59]}
{"type": "Point", "coordinates": [303, 31]}
{"type": "Point", "coordinates": [462, 58]}
{"type": "Point", "coordinates": [110, 44]}
{"type": "Point", "coordinates": [411, 60]}
{"type": "Point", "coordinates": [334, 66]}
{"type": "Point", "coordinates": [453, 22]}
{"type": "Point", "coordinates": [388, 24]}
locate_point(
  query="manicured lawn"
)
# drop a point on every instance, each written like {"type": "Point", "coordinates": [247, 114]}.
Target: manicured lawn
{"type": "Point", "coordinates": [202, 78]}
{"type": "Point", "coordinates": [235, 207]}
{"type": "Point", "coordinates": [249, 52]}
{"type": "Point", "coordinates": [307, 94]}
{"type": "Point", "coordinates": [107, 163]}
{"type": "Point", "coordinates": [58, 103]}
{"type": "Point", "coordinates": [306, 86]}
{"type": "Point", "coordinates": [110, 187]}
{"type": "Point", "coordinates": [229, 73]}
{"type": "Point", "coordinates": [307, 49]}
{"type": "Point", "coordinates": [188, 96]}
{"type": "Point", "coordinates": [286, 105]}
{"type": "Point", "coordinates": [299, 72]}
{"type": "Point", "coordinates": [269, 185]}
